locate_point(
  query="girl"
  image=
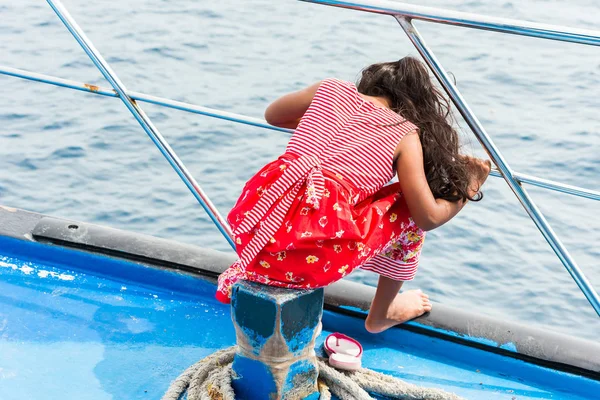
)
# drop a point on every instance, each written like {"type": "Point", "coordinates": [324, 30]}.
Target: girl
{"type": "Point", "coordinates": [321, 209]}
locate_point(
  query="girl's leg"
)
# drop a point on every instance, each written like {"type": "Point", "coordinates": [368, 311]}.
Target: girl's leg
{"type": "Point", "coordinates": [390, 308]}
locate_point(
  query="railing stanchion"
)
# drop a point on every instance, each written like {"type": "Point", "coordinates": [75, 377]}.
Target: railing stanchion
{"type": "Point", "coordinates": [143, 119]}
{"type": "Point", "coordinates": [486, 141]}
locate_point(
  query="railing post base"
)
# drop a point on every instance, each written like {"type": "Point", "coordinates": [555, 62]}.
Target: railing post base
{"type": "Point", "coordinates": [276, 330]}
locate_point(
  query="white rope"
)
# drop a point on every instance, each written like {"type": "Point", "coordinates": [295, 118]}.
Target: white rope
{"type": "Point", "coordinates": [210, 378]}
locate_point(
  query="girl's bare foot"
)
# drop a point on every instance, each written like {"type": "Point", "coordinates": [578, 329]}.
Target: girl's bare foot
{"type": "Point", "coordinates": [405, 306]}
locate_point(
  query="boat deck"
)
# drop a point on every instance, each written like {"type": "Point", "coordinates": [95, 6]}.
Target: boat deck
{"type": "Point", "coordinates": [75, 325]}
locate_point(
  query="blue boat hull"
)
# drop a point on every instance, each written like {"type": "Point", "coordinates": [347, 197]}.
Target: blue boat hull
{"type": "Point", "coordinates": [104, 323]}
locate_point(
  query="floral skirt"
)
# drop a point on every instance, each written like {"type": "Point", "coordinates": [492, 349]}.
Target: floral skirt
{"type": "Point", "coordinates": [316, 247]}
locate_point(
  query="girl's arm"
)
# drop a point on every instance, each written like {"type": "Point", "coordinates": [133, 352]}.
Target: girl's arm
{"type": "Point", "coordinates": [427, 211]}
{"type": "Point", "coordinates": [286, 111]}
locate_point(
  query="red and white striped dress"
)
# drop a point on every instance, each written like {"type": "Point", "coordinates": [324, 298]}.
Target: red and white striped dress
{"type": "Point", "coordinates": [322, 209]}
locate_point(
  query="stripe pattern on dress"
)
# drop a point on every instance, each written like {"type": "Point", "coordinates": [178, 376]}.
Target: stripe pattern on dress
{"type": "Point", "coordinates": [395, 270]}
{"type": "Point", "coordinates": [351, 136]}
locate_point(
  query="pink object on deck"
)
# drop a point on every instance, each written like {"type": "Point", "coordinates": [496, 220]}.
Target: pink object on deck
{"type": "Point", "coordinates": [344, 352]}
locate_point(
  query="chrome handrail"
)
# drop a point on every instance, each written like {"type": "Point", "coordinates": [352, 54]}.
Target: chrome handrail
{"type": "Point", "coordinates": [143, 119]}
{"type": "Point", "coordinates": [551, 185]}
{"type": "Point", "coordinates": [404, 13]}
{"type": "Point", "coordinates": [243, 119]}
{"type": "Point", "coordinates": [468, 20]}
{"type": "Point", "coordinates": [486, 141]}
{"type": "Point", "coordinates": [147, 98]}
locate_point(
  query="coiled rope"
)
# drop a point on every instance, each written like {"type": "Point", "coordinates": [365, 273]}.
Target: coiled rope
{"type": "Point", "coordinates": [210, 379]}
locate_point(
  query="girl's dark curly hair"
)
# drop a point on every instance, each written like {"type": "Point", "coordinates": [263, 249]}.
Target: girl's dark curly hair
{"type": "Point", "coordinates": [411, 93]}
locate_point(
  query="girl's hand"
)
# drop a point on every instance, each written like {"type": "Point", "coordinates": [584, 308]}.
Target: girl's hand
{"type": "Point", "coordinates": [480, 170]}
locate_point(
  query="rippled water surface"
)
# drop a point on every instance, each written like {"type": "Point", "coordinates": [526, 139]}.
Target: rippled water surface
{"type": "Point", "coordinates": [83, 157]}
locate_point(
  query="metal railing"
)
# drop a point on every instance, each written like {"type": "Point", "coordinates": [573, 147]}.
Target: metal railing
{"type": "Point", "coordinates": [242, 119]}
{"type": "Point", "coordinates": [468, 20]}
{"type": "Point", "coordinates": [404, 14]}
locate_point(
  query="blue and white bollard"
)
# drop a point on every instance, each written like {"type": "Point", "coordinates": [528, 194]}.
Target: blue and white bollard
{"type": "Point", "coordinates": [276, 330]}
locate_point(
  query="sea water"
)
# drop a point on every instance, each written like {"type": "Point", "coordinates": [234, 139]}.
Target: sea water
{"type": "Point", "coordinates": [84, 157]}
